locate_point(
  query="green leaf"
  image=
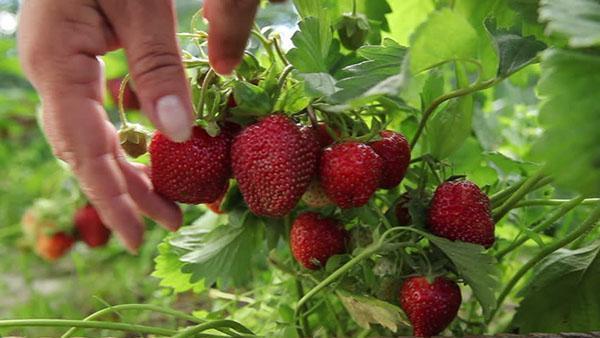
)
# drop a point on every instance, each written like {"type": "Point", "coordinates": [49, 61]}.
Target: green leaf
{"type": "Point", "coordinates": [445, 36]}
{"type": "Point", "coordinates": [476, 267]}
{"type": "Point", "coordinates": [433, 87]}
{"type": "Point", "coordinates": [379, 74]}
{"type": "Point", "coordinates": [571, 119]}
{"type": "Point", "coordinates": [293, 99]}
{"type": "Point", "coordinates": [368, 310]}
{"type": "Point", "coordinates": [312, 47]}
{"type": "Point", "coordinates": [219, 252]}
{"type": "Point", "coordinates": [515, 51]}
{"type": "Point", "coordinates": [251, 99]}
{"type": "Point", "coordinates": [406, 16]}
{"type": "Point", "coordinates": [449, 128]}
{"type": "Point", "coordinates": [319, 84]}
{"type": "Point", "coordinates": [563, 293]}
{"type": "Point", "coordinates": [578, 20]}
{"type": "Point", "coordinates": [168, 270]}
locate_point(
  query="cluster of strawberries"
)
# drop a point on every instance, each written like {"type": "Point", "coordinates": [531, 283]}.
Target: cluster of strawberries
{"type": "Point", "coordinates": [277, 162]}
{"type": "Point", "coordinates": [52, 244]}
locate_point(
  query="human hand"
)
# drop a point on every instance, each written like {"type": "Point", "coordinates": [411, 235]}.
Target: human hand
{"type": "Point", "coordinates": [59, 43]}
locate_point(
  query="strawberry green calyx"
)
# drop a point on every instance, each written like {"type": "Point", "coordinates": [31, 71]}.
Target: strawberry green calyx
{"type": "Point", "coordinates": [133, 140]}
{"type": "Point", "coordinates": [353, 30]}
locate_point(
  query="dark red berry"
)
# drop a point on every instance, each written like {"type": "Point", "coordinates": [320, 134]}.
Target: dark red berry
{"type": "Point", "coordinates": [395, 153]}
{"type": "Point", "coordinates": [315, 238]}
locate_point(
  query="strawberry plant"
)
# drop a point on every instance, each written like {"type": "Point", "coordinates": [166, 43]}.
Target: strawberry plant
{"type": "Point", "coordinates": [407, 167]}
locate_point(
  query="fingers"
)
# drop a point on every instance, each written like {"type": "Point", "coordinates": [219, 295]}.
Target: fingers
{"type": "Point", "coordinates": [230, 22]}
{"type": "Point", "coordinates": [152, 205]}
{"type": "Point", "coordinates": [146, 28]}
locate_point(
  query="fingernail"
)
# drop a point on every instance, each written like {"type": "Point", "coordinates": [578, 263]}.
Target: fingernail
{"type": "Point", "coordinates": [225, 66]}
{"type": "Point", "coordinates": [173, 118]}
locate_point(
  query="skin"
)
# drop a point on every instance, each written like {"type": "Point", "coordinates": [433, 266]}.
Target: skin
{"type": "Point", "coordinates": [59, 44]}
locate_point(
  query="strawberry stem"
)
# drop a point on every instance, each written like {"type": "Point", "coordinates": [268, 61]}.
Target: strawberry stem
{"type": "Point", "coordinates": [521, 192]}
{"type": "Point", "coordinates": [143, 307]}
{"type": "Point", "coordinates": [208, 79]}
{"type": "Point", "coordinates": [216, 324]}
{"type": "Point", "coordinates": [558, 214]}
{"type": "Point", "coordinates": [87, 324]}
{"type": "Point", "coordinates": [588, 225]}
{"type": "Point", "coordinates": [120, 105]}
{"type": "Point", "coordinates": [303, 329]}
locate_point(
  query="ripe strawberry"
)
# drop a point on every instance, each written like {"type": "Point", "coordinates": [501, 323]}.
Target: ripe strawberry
{"type": "Point", "coordinates": [315, 238]}
{"type": "Point", "coordinates": [52, 247]}
{"type": "Point", "coordinates": [273, 162]}
{"type": "Point", "coordinates": [315, 196]}
{"type": "Point", "coordinates": [402, 212]}
{"type": "Point", "coordinates": [193, 172]}
{"type": "Point", "coordinates": [90, 228]}
{"type": "Point", "coordinates": [430, 307]}
{"type": "Point", "coordinates": [460, 211]}
{"type": "Point", "coordinates": [395, 153]}
{"type": "Point", "coordinates": [130, 99]}
{"type": "Point", "coordinates": [350, 173]}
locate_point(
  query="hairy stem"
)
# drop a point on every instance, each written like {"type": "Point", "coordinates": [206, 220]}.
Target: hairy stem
{"type": "Point", "coordinates": [587, 225]}
{"type": "Point", "coordinates": [500, 197]}
{"type": "Point", "coordinates": [555, 216]}
{"type": "Point", "coordinates": [87, 324]}
{"type": "Point", "coordinates": [144, 307]}
{"type": "Point", "coordinates": [551, 202]}
{"type": "Point", "coordinates": [216, 324]}
{"type": "Point", "coordinates": [303, 329]}
{"type": "Point", "coordinates": [122, 87]}
{"type": "Point", "coordinates": [208, 79]}
{"type": "Point", "coordinates": [514, 198]}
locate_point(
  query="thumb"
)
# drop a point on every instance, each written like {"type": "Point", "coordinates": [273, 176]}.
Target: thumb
{"type": "Point", "coordinates": [146, 29]}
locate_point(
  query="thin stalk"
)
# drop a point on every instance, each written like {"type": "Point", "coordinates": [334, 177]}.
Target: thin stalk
{"type": "Point", "coordinates": [312, 116]}
{"type": "Point", "coordinates": [514, 198]}
{"type": "Point", "coordinates": [213, 325]}
{"type": "Point", "coordinates": [208, 79]}
{"type": "Point", "coordinates": [551, 202]}
{"type": "Point", "coordinates": [556, 215]}
{"type": "Point", "coordinates": [587, 225]}
{"type": "Point", "coordinates": [304, 329]}
{"type": "Point", "coordinates": [279, 50]}
{"type": "Point", "coordinates": [145, 307]}
{"type": "Point", "coordinates": [122, 87]}
{"type": "Point", "coordinates": [266, 43]}
{"type": "Point", "coordinates": [88, 325]}
{"type": "Point", "coordinates": [282, 78]}
{"type": "Point", "coordinates": [500, 197]}
{"type": "Point", "coordinates": [353, 7]}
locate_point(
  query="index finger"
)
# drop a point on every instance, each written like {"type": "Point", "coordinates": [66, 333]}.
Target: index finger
{"type": "Point", "coordinates": [230, 22]}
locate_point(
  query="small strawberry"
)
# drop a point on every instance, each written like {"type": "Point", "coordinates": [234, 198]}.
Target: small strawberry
{"type": "Point", "coordinates": [395, 153]}
{"type": "Point", "coordinates": [402, 212]}
{"type": "Point", "coordinates": [315, 196]}
{"type": "Point", "coordinates": [430, 307]}
{"type": "Point", "coordinates": [90, 228]}
{"type": "Point", "coordinates": [350, 173]}
{"type": "Point", "coordinates": [193, 172]}
{"type": "Point", "coordinates": [52, 247]}
{"type": "Point", "coordinates": [130, 99]}
{"type": "Point", "coordinates": [460, 211]}
{"type": "Point", "coordinates": [273, 162]}
{"type": "Point", "coordinates": [315, 238]}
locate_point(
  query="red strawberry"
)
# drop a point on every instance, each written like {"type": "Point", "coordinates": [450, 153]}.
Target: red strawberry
{"type": "Point", "coordinates": [273, 162]}
{"type": "Point", "coordinates": [350, 173]}
{"type": "Point", "coordinates": [402, 212]}
{"type": "Point", "coordinates": [430, 307]}
{"type": "Point", "coordinates": [90, 228]}
{"type": "Point", "coordinates": [315, 196]}
{"type": "Point", "coordinates": [52, 247]}
{"type": "Point", "coordinates": [195, 171]}
{"type": "Point", "coordinates": [460, 211]}
{"type": "Point", "coordinates": [395, 153]}
{"type": "Point", "coordinates": [315, 238]}
{"type": "Point", "coordinates": [130, 99]}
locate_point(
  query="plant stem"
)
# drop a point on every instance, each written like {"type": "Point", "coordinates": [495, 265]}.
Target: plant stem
{"type": "Point", "coordinates": [122, 87]}
{"type": "Point", "coordinates": [451, 95]}
{"type": "Point", "coordinates": [216, 324]}
{"type": "Point", "coordinates": [312, 116]}
{"type": "Point", "coordinates": [558, 214]}
{"type": "Point", "coordinates": [279, 50]}
{"type": "Point", "coordinates": [282, 78]}
{"type": "Point", "coordinates": [304, 329]}
{"type": "Point", "coordinates": [500, 197]}
{"type": "Point", "coordinates": [146, 307]}
{"type": "Point", "coordinates": [551, 202]}
{"type": "Point", "coordinates": [87, 324]}
{"type": "Point", "coordinates": [587, 225]}
{"type": "Point", "coordinates": [266, 43]}
{"type": "Point", "coordinates": [208, 79]}
{"type": "Point", "coordinates": [353, 7]}
{"type": "Point", "coordinates": [514, 198]}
